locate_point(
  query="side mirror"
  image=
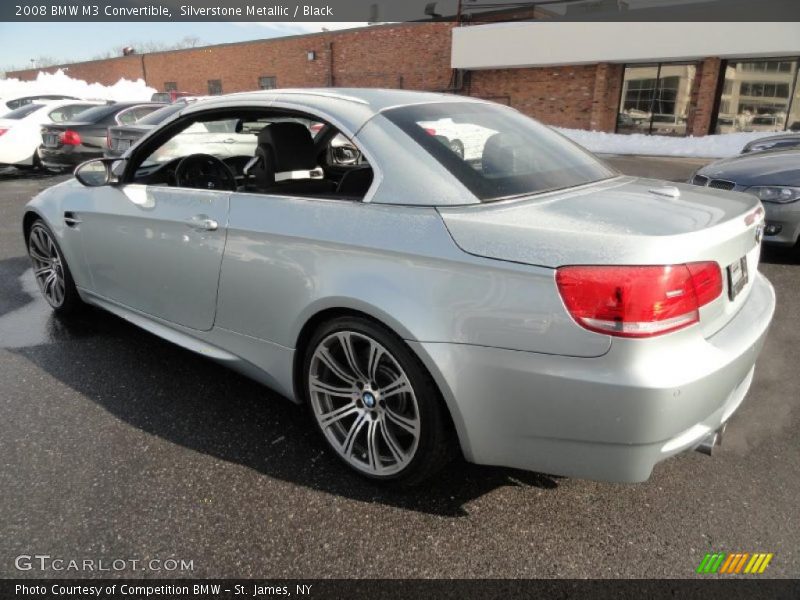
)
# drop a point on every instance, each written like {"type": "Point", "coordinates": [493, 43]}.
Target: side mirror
{"type": "Point", "coordinates": [94, 173]}
{"type": "Point", "coordinates": [345, 155]}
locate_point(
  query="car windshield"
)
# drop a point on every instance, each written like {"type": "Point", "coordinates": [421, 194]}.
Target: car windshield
{"type": "Point", "coordinates": [495, 151]}
{"type": "Point", "coordinates": [23, 111]}
{"type": "Point", "coordinates": [156, 117]}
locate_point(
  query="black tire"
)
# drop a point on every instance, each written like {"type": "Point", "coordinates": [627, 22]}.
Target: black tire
{"type": "Point", "coordinates": [436, 442]}
{"type": "Point", "coordinates": [70, 302]}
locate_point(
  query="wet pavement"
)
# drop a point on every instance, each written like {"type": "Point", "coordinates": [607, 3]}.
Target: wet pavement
{"type": "Point", "coordinates": [115, 444]}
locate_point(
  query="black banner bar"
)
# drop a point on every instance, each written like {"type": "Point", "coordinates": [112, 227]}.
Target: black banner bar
{"type": "Point", "coordinates": [397, 10]}
{"type": "Point", "coordinates": [739, 588]}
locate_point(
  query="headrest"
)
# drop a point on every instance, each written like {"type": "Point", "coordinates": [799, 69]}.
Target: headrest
{"type": "Point", "coordinates": [291, 145]}
{"type": "Point", "coordinates": [507, 155]}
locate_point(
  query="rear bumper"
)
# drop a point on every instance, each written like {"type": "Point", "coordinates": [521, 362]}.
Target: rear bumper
{"type": "Point", "coordinates": [610, 418]}
{"type": "Point", "coordinates": [66, 157]}
{"type": "Point", "coordinates": [785, 216]}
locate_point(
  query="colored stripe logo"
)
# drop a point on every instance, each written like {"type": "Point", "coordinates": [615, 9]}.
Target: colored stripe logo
{"type": "Point", "coordinates": [735, 563]}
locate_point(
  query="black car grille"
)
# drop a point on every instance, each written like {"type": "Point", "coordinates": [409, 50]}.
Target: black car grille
{"type": "Point", "coordinates": [721, 184]}
{"type": "Point", "coordinates": [718, 184]}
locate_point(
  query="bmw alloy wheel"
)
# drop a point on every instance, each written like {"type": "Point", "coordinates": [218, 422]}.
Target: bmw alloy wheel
{"type": "Point", "coordinates": [364, 403]}
{"type": "Point", "coordinates": [48, 267]}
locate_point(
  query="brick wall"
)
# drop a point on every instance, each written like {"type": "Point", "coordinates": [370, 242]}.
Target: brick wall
{"type": "Point", "coordinates": [704, 93]}
{"type": "Point", "coordinates": [411, 56]}
{"type": "Point", "coordinates": [414, 56]}
{"type": "Point", "coordinates": [562, 96]}
{"type": "Point", "coordinates": [605, 102]}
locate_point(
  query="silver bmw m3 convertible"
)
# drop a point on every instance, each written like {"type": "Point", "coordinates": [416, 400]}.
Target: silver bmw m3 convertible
{"type": "Point", "coordinates": [428, 273]}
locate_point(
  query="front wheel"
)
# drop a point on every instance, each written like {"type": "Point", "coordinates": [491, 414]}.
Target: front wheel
{"type": "Point", "coordinates": [375, 404]}
{"type": "Point", "coordinates": [51, 270]}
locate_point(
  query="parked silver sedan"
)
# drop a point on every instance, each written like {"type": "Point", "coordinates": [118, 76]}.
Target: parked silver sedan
{"type": "Point", "coordinates": [524, 305]}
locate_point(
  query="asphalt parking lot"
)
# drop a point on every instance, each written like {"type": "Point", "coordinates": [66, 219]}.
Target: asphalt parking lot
{"type": "Point", "coordinates": [115, 444]}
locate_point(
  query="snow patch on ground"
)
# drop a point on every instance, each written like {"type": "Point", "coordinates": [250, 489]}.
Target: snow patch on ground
{"type": "Point", "coordinates": [709, 146]}
{"type": "Point", "coordinates": [61, 83]}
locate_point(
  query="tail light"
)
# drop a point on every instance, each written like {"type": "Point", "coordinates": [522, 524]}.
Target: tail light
{"type": "Point", "coordinates": [637, 302]}
{"type": "Point", "coordinates": [2, 131]}
{"type": "Point", "coordinates": [70, 138]}
{"type": "Point", "coordinates": [430, 130]}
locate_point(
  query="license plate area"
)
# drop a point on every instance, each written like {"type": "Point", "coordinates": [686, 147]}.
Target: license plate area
{"type": "Point", "coordinates": [123, 145]}
{"type": "Point", "coordinates": [51, 140]}
{"type": "Point", "coordinates": [737, 277]}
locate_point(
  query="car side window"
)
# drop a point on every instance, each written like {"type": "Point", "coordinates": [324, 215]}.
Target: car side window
{"type": "Point", "coordinates": [142, 111]}
{"type": "Point", "coordinates": [271, 154]}
{"type": "Point", "coordinates": [126, 117]}
{"type": "Point", "coordinates": [66, 113]}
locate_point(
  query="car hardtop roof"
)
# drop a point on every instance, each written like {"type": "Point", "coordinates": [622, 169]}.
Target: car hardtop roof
{"type": "Point", "coordinates": [372, 99]}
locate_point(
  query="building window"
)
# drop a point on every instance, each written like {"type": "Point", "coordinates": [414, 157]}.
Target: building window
{"type": "Point", "coordinates": [656, 99]}
{"type": "Point", "coordinates": [759, 95]}
{"type": "Point", "coordinates": [267, 82]}
{"type": "Point", "coordinates": [170, 86]}
{"type": "Point", "coordinates": [214, 87]}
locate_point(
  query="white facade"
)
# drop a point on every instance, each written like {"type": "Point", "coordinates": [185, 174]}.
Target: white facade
{"type": "Point", "coordinates": [550, 43]}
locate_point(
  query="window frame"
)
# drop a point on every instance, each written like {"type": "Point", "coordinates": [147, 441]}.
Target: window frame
{"type": "Point", "coordinates": [794, 92]}
{"type": "Point", "coordinates": [274, 79]}
{"type": "Point", "coordinates": [66, 106]}
{"type": "Point", "coordinates": [214, 82]}
{"type": "Point", "coordinates": [162, 134]}
{"type": "Point", "coordinates": [658, 79]}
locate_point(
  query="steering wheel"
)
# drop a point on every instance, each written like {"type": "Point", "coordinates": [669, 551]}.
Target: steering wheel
{"type": "Point", "coordinates": [204, 172]}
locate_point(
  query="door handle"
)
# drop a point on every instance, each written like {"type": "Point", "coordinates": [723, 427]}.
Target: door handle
{"type": "Point", "coordinates": [202, 223]}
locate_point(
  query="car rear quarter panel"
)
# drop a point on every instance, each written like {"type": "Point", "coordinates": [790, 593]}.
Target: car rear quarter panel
{"type": "Point", "coordinates": [287, 259]}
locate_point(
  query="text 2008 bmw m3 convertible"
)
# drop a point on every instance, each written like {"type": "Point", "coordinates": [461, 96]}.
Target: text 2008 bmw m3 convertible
{"type": "Point", "coordinates": [429, 273]}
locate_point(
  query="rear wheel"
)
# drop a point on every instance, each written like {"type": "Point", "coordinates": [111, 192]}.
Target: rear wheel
{"type": "Point", "coordinates": [51, 270]}
{"type": "Point", "coordinates": [375, 404]}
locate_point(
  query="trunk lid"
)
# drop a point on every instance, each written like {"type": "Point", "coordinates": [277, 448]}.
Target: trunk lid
{"type": "Point", "coordinates": [92, 134]}
{"type": "Point", "coordinates": [122, 137]}
{"type": "Point", "coordinates": [622, 221]}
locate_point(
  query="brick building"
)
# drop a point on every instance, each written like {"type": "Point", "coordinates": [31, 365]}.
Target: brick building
{"type": "Point", "coordinates": [658, 78]}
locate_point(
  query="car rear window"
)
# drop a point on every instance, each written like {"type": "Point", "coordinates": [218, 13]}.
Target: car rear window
{"type": "Point", "coordinates": [23, 111]}
{"type": "Point", "coordinates": [495, 151]}
{"type": "Point", "coordinates": [93, 115]}
{"type": "Point", "coordinates": [156, 117]}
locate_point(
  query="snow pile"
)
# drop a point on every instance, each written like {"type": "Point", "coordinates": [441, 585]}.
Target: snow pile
{"type": "Point", "coordinates": [61, 83]}
{"type": "Point", "coordinates": [709, 146]}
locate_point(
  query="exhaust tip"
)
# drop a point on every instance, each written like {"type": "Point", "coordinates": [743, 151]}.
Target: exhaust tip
{"type": "Point", "coordinates": [706, 445]}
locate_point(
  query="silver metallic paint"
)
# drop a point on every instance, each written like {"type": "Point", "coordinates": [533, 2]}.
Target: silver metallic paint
{"type": "Point", "coordinates": [470, 288]}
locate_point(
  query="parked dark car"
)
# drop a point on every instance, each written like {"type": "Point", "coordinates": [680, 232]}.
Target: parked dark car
{"type": "Point", "coordinates": [774, 177]}
{"type": "Point", "coordinates": [66, 145]}
{"type": "Point", "coordinates": [782, 141]}
{"type": "Point", "coordinates": [122, 137]}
